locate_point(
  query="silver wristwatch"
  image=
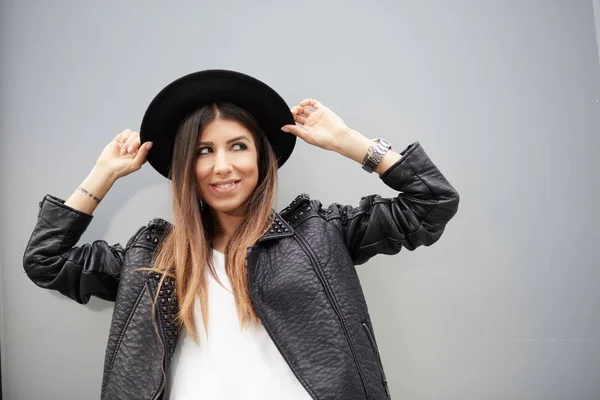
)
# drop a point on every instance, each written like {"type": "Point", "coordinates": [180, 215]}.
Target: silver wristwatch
{"type": "Point", "coordinates": [375, 154]}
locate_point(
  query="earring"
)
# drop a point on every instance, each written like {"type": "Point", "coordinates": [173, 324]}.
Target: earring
{"type": "Point", "coordinates": [201, 205]}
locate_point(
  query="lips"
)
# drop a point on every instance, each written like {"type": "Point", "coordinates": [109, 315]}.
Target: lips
{"type": "Point", "coordinates": [227, 189]}
{"type": "Point", "coordinates": [225, 182]}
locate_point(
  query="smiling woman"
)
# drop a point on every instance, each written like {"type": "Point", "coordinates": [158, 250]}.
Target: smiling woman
{"type": "Point", "coordinates": [226, 167]}
{"type": "Point", "coordinates": [229, 146]}
{"type": "Point", "coordinates": [234, 300]}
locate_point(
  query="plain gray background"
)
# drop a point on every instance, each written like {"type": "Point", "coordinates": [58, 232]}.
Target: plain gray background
{"type": "Point", "coordinates": [503, 95]}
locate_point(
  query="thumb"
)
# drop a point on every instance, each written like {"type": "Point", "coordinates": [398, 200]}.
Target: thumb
{"type": "Point", "coordinates": [295, 130]}
{"type": "Point", "coordinates": [140, 157]}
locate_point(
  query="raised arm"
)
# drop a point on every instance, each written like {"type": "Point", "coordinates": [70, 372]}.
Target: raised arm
{"type": "Point", "coordinates": [51, 258]}
{"type": "Point", "coordinates": [416, 216]}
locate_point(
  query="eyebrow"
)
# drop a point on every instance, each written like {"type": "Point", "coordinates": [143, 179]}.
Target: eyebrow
{"type": "Point", "coordinates": [229, 141]}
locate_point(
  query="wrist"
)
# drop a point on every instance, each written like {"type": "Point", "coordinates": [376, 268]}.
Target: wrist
{"type": "Point", "coordinates": [102, 174]}
{"type": "Point", "coordinates": [354, 145]}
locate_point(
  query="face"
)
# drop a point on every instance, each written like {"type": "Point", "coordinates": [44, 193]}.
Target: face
{"type": "Point", "coordinates": [226, 154]}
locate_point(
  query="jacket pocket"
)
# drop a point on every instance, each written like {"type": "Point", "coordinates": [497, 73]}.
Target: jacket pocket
{"type": "Point", "coordinates": [371, 337]}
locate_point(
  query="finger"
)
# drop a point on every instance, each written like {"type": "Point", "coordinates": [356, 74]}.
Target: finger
{"type": "Point", "coordinates": [312, 103]}
{"type": "Point", "coordinates": [302, 111]}
{"type": "Point", "coordinates": [122, 137]}
{"type": "Point", "coordinates": [131, 144]}
{"type": "Point", "coordinates": [127, 138]}
{"type": "Point", "coordinates": [295, 130]}
{"type": "Point", "coordinates": [140, 157]}
{"type": "Point", "coordinates": [300, 119]}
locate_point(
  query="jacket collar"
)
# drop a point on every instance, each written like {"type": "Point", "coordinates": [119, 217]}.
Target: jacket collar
{"type": "Point", "coordinates": [279, 229]}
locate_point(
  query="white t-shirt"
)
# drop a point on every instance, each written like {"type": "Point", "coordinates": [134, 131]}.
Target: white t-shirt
{"type": "Point", "coordinates": [230, 364]}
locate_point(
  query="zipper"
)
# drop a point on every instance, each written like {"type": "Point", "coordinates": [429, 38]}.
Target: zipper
{"type": "Point", "coordinates": [159, 391]}
{"type": "Point", "coordinates": [118, 345]}
{"type": "Point", "coordinates": [262, 319]}
{"type": "Point", "coordinates": [335, 306]}
{"type": "Point", "coordinates": [377, 357]}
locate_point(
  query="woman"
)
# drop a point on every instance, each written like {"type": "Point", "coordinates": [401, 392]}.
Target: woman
{"type": "Point", "coordinates": [235, 300]}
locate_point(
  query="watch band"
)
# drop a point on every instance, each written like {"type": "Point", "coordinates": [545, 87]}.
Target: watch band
{"type": "Point", "coordinates": [375, 154]}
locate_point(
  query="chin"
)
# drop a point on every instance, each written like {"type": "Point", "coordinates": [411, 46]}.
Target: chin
{"type": "Point", "coordinates": [226, 205]}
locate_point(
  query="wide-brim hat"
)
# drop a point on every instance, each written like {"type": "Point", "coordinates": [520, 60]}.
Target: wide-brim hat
{"type": "Point", "coordinates": [191, 92]}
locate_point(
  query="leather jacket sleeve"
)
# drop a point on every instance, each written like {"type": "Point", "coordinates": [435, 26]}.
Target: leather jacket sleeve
{"type": "Point", "coordinates": [416, 216]}
{"type": "Point", "coordinates": [52, 261]}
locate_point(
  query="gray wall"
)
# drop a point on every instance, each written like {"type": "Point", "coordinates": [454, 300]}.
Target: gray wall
{"type": "Point", "coordinates": [503, 95]}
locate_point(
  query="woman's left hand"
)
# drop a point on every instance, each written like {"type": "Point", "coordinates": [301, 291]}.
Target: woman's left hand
{"type": "Point", "coordinates": [317, 125]}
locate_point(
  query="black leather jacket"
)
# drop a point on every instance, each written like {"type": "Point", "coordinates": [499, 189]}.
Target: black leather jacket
{"type": "Point", "coordinates": [310, 253]}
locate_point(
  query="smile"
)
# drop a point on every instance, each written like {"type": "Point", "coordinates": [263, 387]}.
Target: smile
{"type": "Point", "coordinates": [226, 188]}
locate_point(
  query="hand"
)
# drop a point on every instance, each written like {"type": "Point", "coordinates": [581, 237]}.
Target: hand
{"type": "Point", "coordinates": [123, 155]}
{"type": "Point", "coordinates": [317, 125]}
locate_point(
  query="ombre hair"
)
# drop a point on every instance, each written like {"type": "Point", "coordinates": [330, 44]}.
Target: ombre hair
{"type": "Point", "coordinates": [186, 251]}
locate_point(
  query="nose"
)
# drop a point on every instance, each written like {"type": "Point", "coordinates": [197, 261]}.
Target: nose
{"type": "Point", "coordinates": [222, 163]}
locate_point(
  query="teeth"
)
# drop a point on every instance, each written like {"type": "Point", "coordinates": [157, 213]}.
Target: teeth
{"type": "Point", "coordinates": [226, 186]}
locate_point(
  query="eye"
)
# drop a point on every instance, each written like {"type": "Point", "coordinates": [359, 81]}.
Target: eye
{"type": "Point", "coordinates": [242, 145]}
{"type": "Point", "coordinates": [201, 151]}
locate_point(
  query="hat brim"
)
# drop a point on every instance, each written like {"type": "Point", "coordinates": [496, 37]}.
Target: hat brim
{"type": "Point", "coordinates": [191, 92]}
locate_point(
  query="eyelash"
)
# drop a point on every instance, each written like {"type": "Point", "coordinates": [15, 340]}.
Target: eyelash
{"type": "Point", "coordinates": [199, 153]}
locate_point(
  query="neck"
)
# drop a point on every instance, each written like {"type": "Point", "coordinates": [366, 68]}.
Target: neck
{"type": "Point", "coordinates": [225, 224]}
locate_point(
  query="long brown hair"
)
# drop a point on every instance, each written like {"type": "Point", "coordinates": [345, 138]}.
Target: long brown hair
{"type": "Point", "coordinates": [186, 251]}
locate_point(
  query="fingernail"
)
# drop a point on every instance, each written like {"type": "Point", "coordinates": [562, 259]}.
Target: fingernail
{"type": "Point", "coordinates": [285, 129]}
{"type": "Point", "coordinates": [149, 146]}
{"type": "Point", "coordinates": [123, 151]}
{"type": "Point", "coordinates": [130, 149]}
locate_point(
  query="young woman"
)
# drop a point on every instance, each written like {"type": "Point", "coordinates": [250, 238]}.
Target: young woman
{"type": "Point", "coordinates": [234, 300]}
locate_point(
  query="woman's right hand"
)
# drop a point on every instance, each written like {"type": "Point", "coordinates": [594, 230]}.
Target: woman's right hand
{"type": "Point", "coordinates": [123, 155]}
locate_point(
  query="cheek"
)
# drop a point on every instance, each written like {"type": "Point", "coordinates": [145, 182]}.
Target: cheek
{"type": "Point", "coordinates": [202, 173]}
{"type": "Point", "coordinates": [251, 169]}
{"type": "Point", "coordinates": [247, 163]}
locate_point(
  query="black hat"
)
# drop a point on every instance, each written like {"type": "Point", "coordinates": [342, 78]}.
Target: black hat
{"type": "Point", "coordinates": [191, 92]}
